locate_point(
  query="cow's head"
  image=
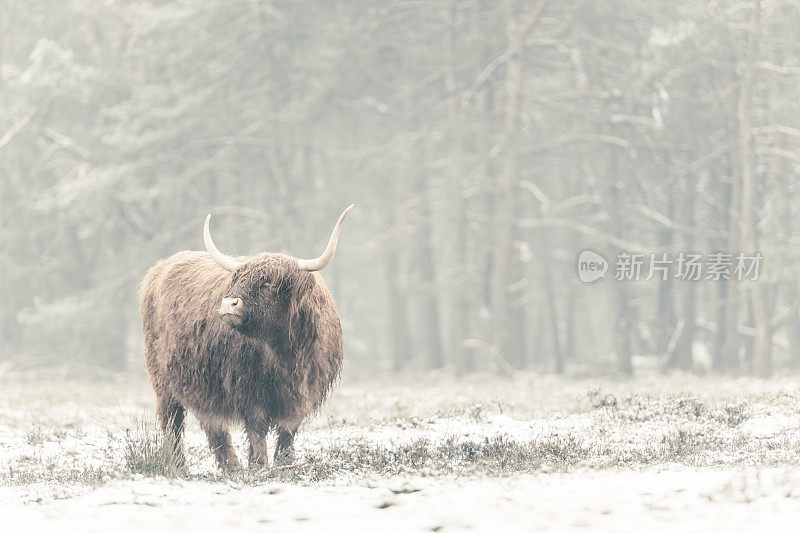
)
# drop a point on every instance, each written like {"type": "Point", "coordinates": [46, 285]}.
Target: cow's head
{"type": "Point", "coordinates": [267, 291]}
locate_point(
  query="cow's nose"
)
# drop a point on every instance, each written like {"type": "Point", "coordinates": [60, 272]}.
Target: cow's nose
{"type": "Point", "coordinates": [231, 306]}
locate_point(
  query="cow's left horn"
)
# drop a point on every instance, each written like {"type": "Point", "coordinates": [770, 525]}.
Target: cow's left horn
{"type": "Point", "coordinates": [325, 259]}
{"type": "Point", "coordinates": [222, 260]}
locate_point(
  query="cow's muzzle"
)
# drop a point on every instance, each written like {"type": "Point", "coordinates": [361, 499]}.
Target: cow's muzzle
{"type": "Point", "coordinates": [232, 311]}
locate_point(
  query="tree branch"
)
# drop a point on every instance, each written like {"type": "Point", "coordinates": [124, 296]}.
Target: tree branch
{"type": "Point", "coordinates": [777, 128]}
{"type": "Point", "coordinates": [580, 228]}
{"type": "Point", "coordinates": [488, 70]}
{"type": "Point", "coordinates": [16, 128]}
{"type": "Point", "coordinates": [780, 152]}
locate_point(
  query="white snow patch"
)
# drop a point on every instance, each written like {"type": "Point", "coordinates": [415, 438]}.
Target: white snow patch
{"type": "Point", "coordinates": [769, 425]}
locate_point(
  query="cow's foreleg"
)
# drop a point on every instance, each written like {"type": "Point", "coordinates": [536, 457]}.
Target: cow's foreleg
{"type": "Point", "coordinates": [219, 441]}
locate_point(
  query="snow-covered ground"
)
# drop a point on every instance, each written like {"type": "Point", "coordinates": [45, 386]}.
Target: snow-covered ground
{"type": "Point", "coordinates": [651, 500]}
{"type": "Point", "coordinates": [532, 453]}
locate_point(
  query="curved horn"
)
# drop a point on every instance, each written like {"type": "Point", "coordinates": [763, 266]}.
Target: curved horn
{"type": "Point", "coordinates": [222, 260]}
{"type": "Point", "coordinates": [325, 259]}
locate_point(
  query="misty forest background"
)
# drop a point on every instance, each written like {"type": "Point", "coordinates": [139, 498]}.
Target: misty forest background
{"type": "Point", "coordinates": [485, 144]}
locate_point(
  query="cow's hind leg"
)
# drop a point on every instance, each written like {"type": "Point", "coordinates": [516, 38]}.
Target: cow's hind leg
{"type": "Point", "coordinates": [258, 456]}
{"type": "Point", "coordinates": [284, 448]}
{"type": "Point", "coordinates": [219, 441]}
{"type": "Point", "coordinates": [171, 415]}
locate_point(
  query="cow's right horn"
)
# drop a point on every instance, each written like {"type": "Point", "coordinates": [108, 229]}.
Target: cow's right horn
{"type": "Point", "coordinates": [325, 259]}
{"type": "Point", "coordinates": [228, 263]}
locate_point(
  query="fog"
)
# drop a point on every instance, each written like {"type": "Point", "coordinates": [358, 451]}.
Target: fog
{"type": "Point", "coordinates": [486, 145]}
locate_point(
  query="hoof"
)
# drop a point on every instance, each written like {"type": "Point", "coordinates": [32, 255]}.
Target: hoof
{"type": "Point", "coordinates": [284, 458]}
{"type": "Point", "coordinates": [258, 463]}
{"type": "Point", "coordinates": [231, 465]}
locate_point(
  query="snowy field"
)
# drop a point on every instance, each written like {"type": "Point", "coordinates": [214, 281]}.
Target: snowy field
{"type": "Point", "coordinates": [533, 453]}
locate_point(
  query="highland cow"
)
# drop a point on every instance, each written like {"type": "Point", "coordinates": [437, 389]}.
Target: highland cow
{"type": "Point", "coordinates": [253, 341]}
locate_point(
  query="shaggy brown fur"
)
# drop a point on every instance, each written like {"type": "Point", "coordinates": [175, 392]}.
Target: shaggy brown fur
{"type": "Point", "coordinates": [269, 373]}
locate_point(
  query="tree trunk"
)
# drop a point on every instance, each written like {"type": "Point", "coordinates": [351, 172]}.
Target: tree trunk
{"type": "Point", "coordinates": [429, 334]}
{"type": "Point", "coordinates": [507, 341]}
{"type": "Point", "coordinates": [682, 355]}
{"type": "Point", "coordinates": [621, 306]}
{"type": "Point", "coordinates": [761, 356]}
{"type": "Point", "coordinates": [397, 308]}
{"type": "Point", "coordinates": [666, 320]}
{"type": "Point", "coordinates": [728, 341]}
{"type": "Point", "coordinates": [552, 311]}
{"type": "Point", "coordinates": [449, 220]}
